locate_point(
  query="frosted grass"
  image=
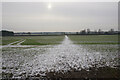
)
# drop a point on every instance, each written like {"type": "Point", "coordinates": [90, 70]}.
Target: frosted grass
{"type": "Point", "coordinates": [68, 56]}
{"type": "Point", "coordinates": [59, 58]}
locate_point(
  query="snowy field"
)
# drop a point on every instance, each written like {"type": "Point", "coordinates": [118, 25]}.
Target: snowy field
{"type": "Point", "coordinates": [23, 61]}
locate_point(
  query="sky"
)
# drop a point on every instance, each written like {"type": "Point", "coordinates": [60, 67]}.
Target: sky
{"type": "Point", "coordinates": [59, 16]}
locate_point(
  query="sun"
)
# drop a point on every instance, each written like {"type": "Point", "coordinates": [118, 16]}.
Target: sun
{"type": "Point", "coordinates": [49, 6]}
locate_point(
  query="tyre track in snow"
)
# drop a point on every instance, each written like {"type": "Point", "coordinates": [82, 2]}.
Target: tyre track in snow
{"type": "Point", "coordinates": [19, 43]}
{"type": "Point", "coordinates": [16, 44]}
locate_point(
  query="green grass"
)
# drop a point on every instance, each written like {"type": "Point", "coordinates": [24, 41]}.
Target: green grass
{"type": "Point", "coordinates": [43, 40]}
{"type": "Point", "coordinates": [51, 40]}
{"type": "Point", "coordinates": [94, 39]}
{"type": "Point", "coordinates": [34, 40]}
{"type": "Point", "coordinates": [10, 39]}
{"type": "Point", "coordinates": [0, 40]}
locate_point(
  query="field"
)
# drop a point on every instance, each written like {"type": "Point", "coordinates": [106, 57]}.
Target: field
{"type": "Point", "coordinates": [48, 40]}
{"type": "Point", "coordinates": [72, 56]}
{"type": "Point", "coordinates": [94, 39]}
{"type": "Point", "coordinates": [33, 40]}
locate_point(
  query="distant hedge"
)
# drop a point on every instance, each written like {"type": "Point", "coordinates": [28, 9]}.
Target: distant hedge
{"type": "Point", "coordinates": [6, 33]}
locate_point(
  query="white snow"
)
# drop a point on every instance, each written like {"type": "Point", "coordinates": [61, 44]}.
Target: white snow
{"type": "Point", "coordinates": [19, 43]}
{"type": "Point", "coordinates": [58, 58]}
{"type": "Point", "coordinates": [64, 57]}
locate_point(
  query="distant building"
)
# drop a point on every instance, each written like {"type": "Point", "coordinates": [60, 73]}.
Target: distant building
{"type": "Point", "coordinates": [6, 33]}
{"type": "Point", "coordinates": [83, 32]}
{"type": "Point", "coordinates": [111, 31]}
{"type": "Point", "coordinates": [88, 31]}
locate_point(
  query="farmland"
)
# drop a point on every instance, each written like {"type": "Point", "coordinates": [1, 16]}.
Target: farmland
{"type": "Point", "coordinates": [72, 56]}
{"type": "Point", "coordinates": [94, 39]}
{"type": "Point", "coordinates": [48, 40]}
{"type": "Point", "coordinates": [33, 40]}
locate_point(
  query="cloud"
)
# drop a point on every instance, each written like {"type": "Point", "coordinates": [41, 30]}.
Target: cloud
{"type": "Point", "coordinates": [64, 16]}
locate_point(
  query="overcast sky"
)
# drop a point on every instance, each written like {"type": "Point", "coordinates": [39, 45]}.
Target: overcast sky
{"type": "Point", "coordinates": [59, 16]}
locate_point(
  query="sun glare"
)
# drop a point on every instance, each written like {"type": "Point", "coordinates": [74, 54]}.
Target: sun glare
{"type": "Point", "coordinates": [49, 6]}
